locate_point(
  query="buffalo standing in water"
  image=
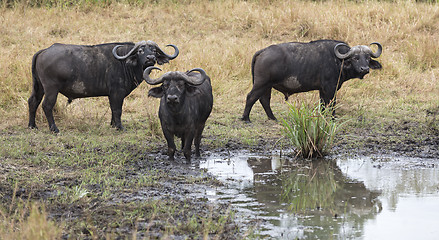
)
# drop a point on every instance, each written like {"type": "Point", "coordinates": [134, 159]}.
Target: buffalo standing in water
{"type": "Point", "coordinates": [294, 67]}
{"type": "Point", "coordinates": [79, 71]}
{"type": "Point", "coordinates": [185, 104]}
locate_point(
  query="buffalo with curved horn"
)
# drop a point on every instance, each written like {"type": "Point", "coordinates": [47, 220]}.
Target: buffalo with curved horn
{"type": "Point", "coordinates": [80, 71]}
{"type": "Point", "coordinates": [295, 67]}
{"type": "Point", "coordinates": [186, 102]}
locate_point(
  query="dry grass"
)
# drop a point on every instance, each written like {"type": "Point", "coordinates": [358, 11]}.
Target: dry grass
{"type": "Point", "coordinates": [27, 221]}
{"type": "Point", "coordinates": [221, 37]}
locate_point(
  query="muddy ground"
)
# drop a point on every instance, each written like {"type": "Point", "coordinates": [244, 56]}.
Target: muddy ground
{"type": "Point", "coordinates": [133, 212]}
{"type": "Point", "coordinates": [409, 139]}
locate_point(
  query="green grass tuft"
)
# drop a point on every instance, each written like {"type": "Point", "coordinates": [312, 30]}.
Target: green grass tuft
{"type": "Point", "coordinates": [310, 130]}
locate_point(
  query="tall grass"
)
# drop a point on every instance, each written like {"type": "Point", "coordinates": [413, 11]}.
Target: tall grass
{"type": "Point", "coordinates": [65, 3]}
{"type": "Point", "coordinates": [311, 130]}
{"type": "Point", "coordinates": [221, 37]}
{"type": "Point", "coordinates": [28, 221]}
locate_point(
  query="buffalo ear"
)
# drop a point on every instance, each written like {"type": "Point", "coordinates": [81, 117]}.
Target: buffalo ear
{"type": "Point", "coordinates": [162, 59]}
{"type": "Point", "coordinates": [347, 63]}
{"type": "Point", "coordinates": [132, 60]}
{"type": "Point", "coordinates": [156, 92]}
{"type": "Point", "coordinates": [375, 64]}
{"type": "Point", "coordinates": [191, 89]}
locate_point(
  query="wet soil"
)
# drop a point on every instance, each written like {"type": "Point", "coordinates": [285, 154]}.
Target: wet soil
{"type": "Point", "coordinates": [409, 139]}
{"type": "Point", "coordinates": [153, 211]}
{"type": "Point", "coordinates": [183, 186]}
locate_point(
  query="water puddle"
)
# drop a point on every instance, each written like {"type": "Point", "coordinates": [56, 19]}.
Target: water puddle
{"type": "Point", "coordinates": [353, 198]}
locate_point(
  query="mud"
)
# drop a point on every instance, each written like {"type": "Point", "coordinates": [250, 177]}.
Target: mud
{"type": "Point", "coordinates": [408, 139]}
{"type": "Point", "coordinates": [178, 195]}
{"type": "Point", "coordinates": [188, 188]}
{"type": "Point", "coordinates": [382, 175]}
{"type": "Point", "coordinates": [410, 149]}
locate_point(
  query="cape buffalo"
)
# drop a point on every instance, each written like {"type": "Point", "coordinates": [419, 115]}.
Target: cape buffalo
{"type": "Point", "coordinates": [295, 67]}
{"type": "Point", "coordinates": [185, 104]}
{"type": "Point", "coordinates": [79, 71]}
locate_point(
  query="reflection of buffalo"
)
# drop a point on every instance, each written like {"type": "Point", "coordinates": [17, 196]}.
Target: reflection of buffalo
{"type": "Point", "coordinates": [79, 71]}
{"type": "Point", "coordinates": [294, 182]}
{"type": "Point", "coordinates": [185, 104]}
{"type": "Point", "coordinates": [318, 171]}
{"type": "Point", "coordinates": [301, 67]}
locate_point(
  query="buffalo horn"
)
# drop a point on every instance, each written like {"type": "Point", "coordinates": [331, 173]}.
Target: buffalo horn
{"type": "Point", "coordinates": [379, 51]}
{"type": "Point", "coordinates": [176, 51]}
{"type": "Point", "coordinates": [341, 55]}
{"type": "Point", "coordinates": [136, 46]}
{"type": "Point", "coordinates": [148, 79]}
{"type": "Point", "coordinates": [195, 80]}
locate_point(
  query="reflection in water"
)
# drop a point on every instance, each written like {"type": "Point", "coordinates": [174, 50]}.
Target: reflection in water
{"type": "Point", "coordinates": [410, 195]}
{"type": "Point", "coordinates": [320, 186]}
{"type": "Point", "coordinates": [310, 186]}
{"type": "Point", "coordinates": [343, 199]}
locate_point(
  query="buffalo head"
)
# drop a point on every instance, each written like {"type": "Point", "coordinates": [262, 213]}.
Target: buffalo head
{"type": "Point", "coordinates": [358, 58]}
{"type": "Point", "coordinates": [147, 53]}
{"type": "Point", "coordinates": [175, 85]}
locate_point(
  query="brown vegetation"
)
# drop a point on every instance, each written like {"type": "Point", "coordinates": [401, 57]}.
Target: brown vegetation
{"type": "Point", "coordinates": [221, 37]}
{"type": "Point", "coordinates": [218, 36]}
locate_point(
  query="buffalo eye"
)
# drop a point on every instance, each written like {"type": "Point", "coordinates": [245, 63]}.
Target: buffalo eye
{"type": "Point", "coordinates": [165, 85]}
{"type": "Point", "coordinates": [180, 85]}
{"type": "Point", "coordinates": [140, 51]}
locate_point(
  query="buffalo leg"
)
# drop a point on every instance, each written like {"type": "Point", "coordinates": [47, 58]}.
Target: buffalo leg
{"type": "Point", "coordinates": [182, 142]}
{"type": "Point", "coordinates": [328, 100]}
{"type": "Point", "coordinates": [171, 144]}
{"type": "Point", "coordinates": [48, 104]}
{"type": "Point", "coordinates": [187, 146]}
{"type": "Point", "coordinates": [252, 97]}
{"type": "Point", "coordinates": [265, 101]}
{"type": "Point", "coordinates": [33, 102]}
{"type": "Point", "coordinates": [197, 140]}
{"type": "Point", "coordinates": [116, 112]}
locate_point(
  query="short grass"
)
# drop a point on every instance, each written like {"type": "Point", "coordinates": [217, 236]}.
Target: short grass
{"type": "Point", "coordinates": [99, 184]}
{"type": "Point", "coordinates": [218, 36]}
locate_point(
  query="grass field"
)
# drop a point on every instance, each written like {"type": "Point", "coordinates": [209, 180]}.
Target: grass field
{"type": "Point", "coordinates": [221, 37]}
{"type": "Point", "coordinates": [218, 36]}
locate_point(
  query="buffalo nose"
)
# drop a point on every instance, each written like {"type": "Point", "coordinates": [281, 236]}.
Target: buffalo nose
{"type": "Point", "coordinates": [151, 58]}
{"type": "Point", "coordinates": [172, 99]}
{"type": "Point", "coordinates": [364, 69]}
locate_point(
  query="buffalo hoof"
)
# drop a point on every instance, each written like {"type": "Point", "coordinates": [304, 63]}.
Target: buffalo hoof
{"type": "Point", "coordinates": [187, 155]}
{"type": "Point", "coordinates": [54, 129]}
{"type": "Point", "coordinates": [32, 127]}
{"type": "Point", "coordinates": [118, 127]}
{"type": "Point", "coordinates": [245, 119]}
{"type": "Point", "coordinates": [171, 152]}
